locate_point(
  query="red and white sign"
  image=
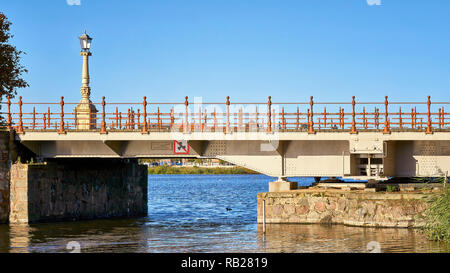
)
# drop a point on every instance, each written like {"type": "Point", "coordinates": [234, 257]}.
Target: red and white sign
{"type": "Point", "coordinates": [180, 147]}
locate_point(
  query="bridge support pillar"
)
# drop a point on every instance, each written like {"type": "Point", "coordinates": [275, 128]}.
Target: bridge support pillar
{"type": "Point", "coordinates": [83, 189]}
{"type": "Point", "coordinates": [282, 184]}
{"type": "Point", "coordinates": [4, 175]}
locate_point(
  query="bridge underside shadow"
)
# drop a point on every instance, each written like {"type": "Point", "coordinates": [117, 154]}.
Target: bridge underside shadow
{"type": "Point", "coordinates": [74, 189]}
{"type": "Point", "coordinates": [67, 189]}
{"type": "Point", "coordinates": [362, 156]}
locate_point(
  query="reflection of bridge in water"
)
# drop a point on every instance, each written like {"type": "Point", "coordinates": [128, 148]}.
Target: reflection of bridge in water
{"type": "Point", "coordinates": [362, 140]}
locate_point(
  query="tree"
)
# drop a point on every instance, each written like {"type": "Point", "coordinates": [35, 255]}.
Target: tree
{"type": "Point", "coordinates": [10, 68]}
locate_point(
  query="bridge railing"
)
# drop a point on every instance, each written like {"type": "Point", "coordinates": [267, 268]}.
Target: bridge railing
{"type": "Point", "coordinates": [227, 116]}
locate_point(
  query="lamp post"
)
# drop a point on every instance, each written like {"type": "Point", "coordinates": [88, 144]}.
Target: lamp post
{"type": "Point", "coordinates": [85, 111]}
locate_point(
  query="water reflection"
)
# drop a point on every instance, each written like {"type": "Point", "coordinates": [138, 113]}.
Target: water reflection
{"type": "Point", "coordinates": [187, 213]}
{"type": "Point", "coordinates": [340, 238]}
{"type": "Point", "coordinates": [19, 238]}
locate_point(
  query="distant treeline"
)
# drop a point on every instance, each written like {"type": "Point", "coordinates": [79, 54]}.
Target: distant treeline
{"type": "Point", "coordinates": [198, 170]}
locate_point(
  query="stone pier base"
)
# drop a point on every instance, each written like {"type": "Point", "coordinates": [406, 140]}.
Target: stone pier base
{"type": "Point", "coordinates": [353, 208]}
{"type": "Point", "coordinates": [67, 190]}
{"type": "Point", "coordinates": [4, 176]}
{"type": "Point", "coordinates": [278, 186]}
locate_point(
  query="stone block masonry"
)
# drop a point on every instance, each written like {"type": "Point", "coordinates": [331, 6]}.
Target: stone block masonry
{"type": "Point", "coordinates": [353, 208]}
{"type": "Point", "coordinates": [65, 190]}
{"type": "Point", "coordinates": [4, 175]}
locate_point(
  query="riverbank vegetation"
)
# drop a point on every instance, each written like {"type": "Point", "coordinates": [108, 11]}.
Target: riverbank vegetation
{"type": "Point", "coordinates": [198, 170]}
{"type": "Point", "coordinates": [437, 217]}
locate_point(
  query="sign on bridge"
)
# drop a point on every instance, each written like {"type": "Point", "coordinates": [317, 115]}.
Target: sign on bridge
{"type": "Point", "coordinates": [180, 147]}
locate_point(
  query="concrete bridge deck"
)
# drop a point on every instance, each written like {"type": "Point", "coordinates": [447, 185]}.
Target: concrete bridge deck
{"type": "Point", "coordinates": [277, 139]}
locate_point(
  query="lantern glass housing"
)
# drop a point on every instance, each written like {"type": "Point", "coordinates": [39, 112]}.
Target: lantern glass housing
{"type": "Point", "coordinates": [85, 42]}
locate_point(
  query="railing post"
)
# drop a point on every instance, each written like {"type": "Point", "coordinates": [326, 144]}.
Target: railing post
{"type": "Point", "coordinates": [269, 113]}
{"type": "Point", "coordinates": [128, 124]}
{"type": "Point", "coordinates": [443, 117]}
{"type": "Point", "coordinates": [256, 119]}
{"type": "Point", "coordinates": [132, 118]}
{"type": "Point", "coordinates": [415, 117]}
{"type": "Point", "coordinates": [120, 121]}
{"type": "Point", "coordinates": [386, 129]}
{"type": "Point", "coordinates": [20, 128]}
{"type": "Point", "coordinates": [48, 118]}
{"type": "Point", "coordinates": [298, 120]}
{"type": "Point", "coordinates": [308, 116]}
{"type": "Point", "coordinates": [311, 120]}
{"type": "Point", "coordinates": [214, 119]}
{"type": "Point", "coordinates": [205, 121]}
{"type": "Point", "coordinates": [172, 118]}
{"type": "Point", "coordinates": [240, 119]}
{"type": "Point", "coordinates": [200, 118]}
{"type": "Point", "coordinates": [364, 118]}
{"type": "Point", "coordinates": [34, 118]}
{"type": "Point", "coordinates": [75, 115]}
{"type": "Point", "coordinates": [429, 125]}
{"type": "Point", "coordinates": [282, 119]}
{"type": "Point", "coordinates": [440, 118]}
{"type": "Point", "coordinates": [376, 117]}
{"type": "Point", "coordinates": [117, 118]}
{"type": "Point", "coordinates": [103, 128]}
{"type": "Point", "coordinates": [186, 124]}
{"type": "Point", "coordinates": [61, 122]}
{"type": "Point", "coordinates": [138, 118]}
{"type": "Point", "coordinates": [353, 130]}
{"type": "Point", "coordinates": [158, 119]}
{"type": "Point", "coordinates": [145, 127]}
{"type": "Point", "coordinates": [45, 121]}
{"type": "Point", "coordinates": [227, 128]}
{"type": "Point", "coordinates": [9, 114]}
{"type": "Point", "coordinates": [400, 120]}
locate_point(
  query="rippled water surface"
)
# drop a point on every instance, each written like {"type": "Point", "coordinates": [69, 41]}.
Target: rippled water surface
{"type": "Point", "coordinates": [188, 213]}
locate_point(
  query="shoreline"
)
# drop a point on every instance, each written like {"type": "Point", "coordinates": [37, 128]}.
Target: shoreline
{"type": "Point", "coordinates": [198, 170]}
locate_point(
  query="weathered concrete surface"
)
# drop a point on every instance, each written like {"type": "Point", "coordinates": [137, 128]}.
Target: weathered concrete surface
{"type": "Point", "coordinates": [4, 176]}
{"type": "Point", "coordinates": [354, 208]}
{"type": "Point", "coordinates": [278, 186]}
{"type": "Point", "coordinates": [77, 190]}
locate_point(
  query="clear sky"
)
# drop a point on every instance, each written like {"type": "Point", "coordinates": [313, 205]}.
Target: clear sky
{"type": "Point", "coordinates": [246, 49]}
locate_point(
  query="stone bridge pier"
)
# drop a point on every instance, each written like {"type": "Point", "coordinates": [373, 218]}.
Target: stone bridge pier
{"type": "Point", "coordinates": [68, 189]}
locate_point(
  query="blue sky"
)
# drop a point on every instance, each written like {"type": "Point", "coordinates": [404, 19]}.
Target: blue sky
{"type": "Point", "coordinates": [246, 49]}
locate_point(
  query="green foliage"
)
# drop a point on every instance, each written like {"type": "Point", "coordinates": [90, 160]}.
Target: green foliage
{"type": "Point", "coordinates": [391, 188]}
{"type": "Point", "coordinates": [198, 170]}
{"type": "Point", "coordinates": [428, 179]}
{"type": "Point", "coordinates": [437, 217]}
{"type": "Point", "coordinates": [10, 67]}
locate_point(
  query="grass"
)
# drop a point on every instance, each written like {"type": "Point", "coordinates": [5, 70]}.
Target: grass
{"type": "Point", "coordinates": [437, 217]}
{"type": "Point", "coordinates": [198, 170]}
{"type": "Point", "coordinates": [428, 179]}
{"type": "Point", "coordinates": [391, 188]}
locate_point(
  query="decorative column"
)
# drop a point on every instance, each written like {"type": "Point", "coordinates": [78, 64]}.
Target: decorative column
{"type": "Point", "coordinates": [85, 111]}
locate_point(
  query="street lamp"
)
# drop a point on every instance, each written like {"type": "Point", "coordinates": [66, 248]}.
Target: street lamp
{"type": "Point", "coordinates": [85, 111]}
{"type": "Point", "coordinates": [85, 42]}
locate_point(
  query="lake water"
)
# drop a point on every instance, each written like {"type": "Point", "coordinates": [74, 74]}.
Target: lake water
{"type": "Point", "coordinates": [188, 213]}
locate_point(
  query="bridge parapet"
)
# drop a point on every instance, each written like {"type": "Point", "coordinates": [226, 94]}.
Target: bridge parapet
{"type": "Point", "coordinates": [228, 117]}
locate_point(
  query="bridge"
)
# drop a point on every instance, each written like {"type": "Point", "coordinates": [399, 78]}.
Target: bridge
{"type": "Point", "coordinates": [91, 149]}
{"type": "Point", "coordinates": [353, 139]}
